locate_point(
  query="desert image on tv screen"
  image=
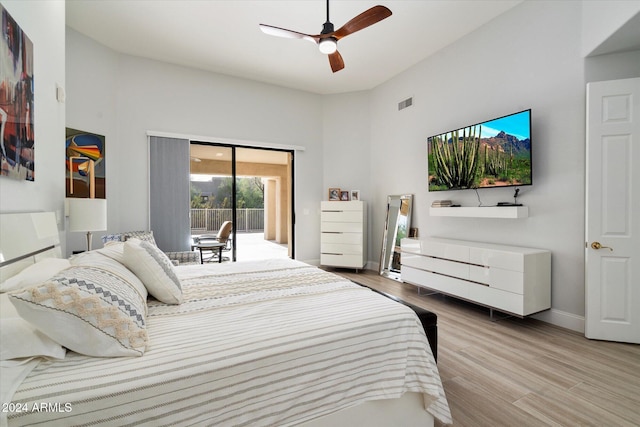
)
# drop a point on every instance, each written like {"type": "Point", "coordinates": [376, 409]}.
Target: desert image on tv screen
{"type": "Point", "coordinates": [495, 153]}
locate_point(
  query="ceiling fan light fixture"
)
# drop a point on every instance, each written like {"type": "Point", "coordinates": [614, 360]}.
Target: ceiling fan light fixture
{"type": "Point", "coordinates": [328, 45]}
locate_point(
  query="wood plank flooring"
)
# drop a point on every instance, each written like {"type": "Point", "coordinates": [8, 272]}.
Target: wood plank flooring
{"type": "Point", "coordinates": [523, 372]}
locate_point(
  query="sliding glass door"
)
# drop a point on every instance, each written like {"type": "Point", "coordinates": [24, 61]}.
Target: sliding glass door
{"type": "Point", "coordinates": [253, 188]}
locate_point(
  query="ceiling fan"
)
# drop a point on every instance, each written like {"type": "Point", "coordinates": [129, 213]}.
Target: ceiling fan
{"type": "Point", "coordinates": [327, 40]}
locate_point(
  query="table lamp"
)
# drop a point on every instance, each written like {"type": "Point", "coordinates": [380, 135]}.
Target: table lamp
{"type": "Point", "coordinates": [87, 215]}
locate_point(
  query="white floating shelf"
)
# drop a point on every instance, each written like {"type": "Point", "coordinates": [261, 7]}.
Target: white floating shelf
{"type": "Point", "coordinates": [483, 212]}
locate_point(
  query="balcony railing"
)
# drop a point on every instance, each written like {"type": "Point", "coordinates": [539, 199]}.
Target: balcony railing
{"type": "Point", "coordinates": [210, 220]}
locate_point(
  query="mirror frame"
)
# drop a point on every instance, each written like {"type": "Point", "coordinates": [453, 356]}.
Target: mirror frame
{"type": "Point", "coordinates": [390, 235]}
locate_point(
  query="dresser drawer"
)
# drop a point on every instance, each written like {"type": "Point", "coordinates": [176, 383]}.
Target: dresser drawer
{"type": "Point", "coordinates": [339, 237]}
{"type": "Point", "coordinates": [443, 266]}
{"type": "Point", "coordinates": [446, 251]}
{"type": "Point", "coordinates": [342, 206]}
{"type": "Point", "coordinates": [340, 248]}
{"type": "Point", "coordinates": [498, 299]}
{"type": "Point", "coordinates": [341, 227]}
{"type": "Point", "coordinates": [494, 258]}
{"type": "Point", "coordinates": [352, 261]}
{"type": "Point", "coordinates": [511, 281]}
{"type": "Point", "coordinates": [446, 284]}
{"type": "Point", "coordinates": [349, 216]}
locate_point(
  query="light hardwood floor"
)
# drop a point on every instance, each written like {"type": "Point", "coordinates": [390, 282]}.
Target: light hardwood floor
{"type": "Point", "coordinates": [523, 372]}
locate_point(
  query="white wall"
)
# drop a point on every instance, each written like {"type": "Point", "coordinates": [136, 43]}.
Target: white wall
{"type": "Point", "coordinates": [346, 147]}
{"type": "Point", "coordinates": [527, 58]}
{"type": "Point", "coordinates": [91, 106]}
{"type": "Point", "coordinates": [43, 22]}
{"type": "Point", "coordinates": [131, 96]}
{"type": "Point", "coordinates": [601, 19]}
{"type": "Point", "coordinates": [614, 66]}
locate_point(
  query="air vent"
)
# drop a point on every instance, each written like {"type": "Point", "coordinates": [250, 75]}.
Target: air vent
{"type": "Point", "coordinates": [404, 104]}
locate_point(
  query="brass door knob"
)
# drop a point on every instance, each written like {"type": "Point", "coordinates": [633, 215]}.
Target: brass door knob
{"type": "Point", "coordinates": [597, 245]}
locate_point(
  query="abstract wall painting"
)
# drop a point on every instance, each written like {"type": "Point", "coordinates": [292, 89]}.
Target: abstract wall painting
{"type": "Point", "coordinates": [85, 168]}
{"type": "Point", "coordinates": [17, 141]}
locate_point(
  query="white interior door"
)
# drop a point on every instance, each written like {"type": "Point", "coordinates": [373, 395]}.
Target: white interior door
{"type": "Point", "coordinates": [612, 276]}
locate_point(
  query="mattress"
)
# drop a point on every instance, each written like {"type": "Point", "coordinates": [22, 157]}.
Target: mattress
{"type": "Point", "coordinates": [254, 343]}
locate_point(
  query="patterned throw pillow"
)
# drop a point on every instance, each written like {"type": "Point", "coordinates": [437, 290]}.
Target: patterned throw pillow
{"type": "Point", "coordinates": [144, 236]}
{"type": "Point", "coordinates": [154, 269]}
{"type": "Point", "coordinates": [89, 310]}
{"type": "Point", "coordinates": [112, 238]}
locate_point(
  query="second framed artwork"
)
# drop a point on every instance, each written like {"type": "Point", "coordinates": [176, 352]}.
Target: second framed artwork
{"type": "Point", "coordinates": [338, 194]}
{"type": "Point", "coordinates": [334, 194]}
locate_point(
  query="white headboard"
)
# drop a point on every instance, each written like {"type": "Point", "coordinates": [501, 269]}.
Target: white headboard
{"type": "Point", "coordinates": [25, 238]}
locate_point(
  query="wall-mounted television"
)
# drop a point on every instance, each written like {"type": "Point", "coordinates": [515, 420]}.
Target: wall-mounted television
{"type": "Point", "coordinates": [494, 153]}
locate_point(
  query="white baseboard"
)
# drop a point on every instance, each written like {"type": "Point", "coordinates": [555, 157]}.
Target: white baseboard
{"type": "Point", "coordinates": [562, 319]}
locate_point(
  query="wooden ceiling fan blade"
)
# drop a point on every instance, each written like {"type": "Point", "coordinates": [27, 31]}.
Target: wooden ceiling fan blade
{"type": "Point", "coordinates": [364, 20]}
{"type": "Point", "coordinates": [336, 61]}
{"type": "Point", "coordinates": [289, 34]}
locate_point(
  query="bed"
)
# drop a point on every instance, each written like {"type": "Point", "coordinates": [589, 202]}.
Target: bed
{"type": "Point", "coordinates": [269, 343]}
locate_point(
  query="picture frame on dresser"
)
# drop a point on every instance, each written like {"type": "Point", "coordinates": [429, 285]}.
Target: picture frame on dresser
{"type": "Point", "coordinates": [344, 195]}
{"type": "Point", "coordinates": [334, 194]}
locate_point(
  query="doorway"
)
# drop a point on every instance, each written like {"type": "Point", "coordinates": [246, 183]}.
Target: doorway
{"type": "Point", "coordinates": [250, 186]}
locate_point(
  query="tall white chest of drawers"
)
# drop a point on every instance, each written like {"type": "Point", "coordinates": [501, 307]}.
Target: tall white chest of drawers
{"type": "Point", "coordinates": [343, 240]}
{"type": "Point", "coordinates": [511, 279]}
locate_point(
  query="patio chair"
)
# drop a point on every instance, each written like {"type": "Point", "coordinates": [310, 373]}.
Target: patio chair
{"type": "Point", "coordinates": [223, 236]}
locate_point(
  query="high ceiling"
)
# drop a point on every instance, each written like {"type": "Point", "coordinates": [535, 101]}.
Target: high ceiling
{"type": "Point", "coordinates": [223, 36]}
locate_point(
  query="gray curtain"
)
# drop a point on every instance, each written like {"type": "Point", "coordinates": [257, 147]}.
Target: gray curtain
{"type": "Point", "coordinates": [169, 197]}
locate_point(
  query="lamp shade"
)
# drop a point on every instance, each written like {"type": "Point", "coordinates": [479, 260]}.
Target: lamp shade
{"type": "Point", "coordinates": [87, 214]}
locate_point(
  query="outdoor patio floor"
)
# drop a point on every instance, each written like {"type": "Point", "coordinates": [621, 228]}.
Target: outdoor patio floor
{"type": "Point", "coordinates": [253, 246]}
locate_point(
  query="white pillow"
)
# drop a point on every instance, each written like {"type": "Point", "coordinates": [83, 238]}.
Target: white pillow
{"type": "Point", "coordinates": [36, 273]}
{"type": "Point", "coordinates": [155, 270]}
{"type": "Point", "coordinates": [90, 310]}
{"type": "Point", "coordinates": [111, 249]}
{"type": "Point", "coordinates": [19, 339]}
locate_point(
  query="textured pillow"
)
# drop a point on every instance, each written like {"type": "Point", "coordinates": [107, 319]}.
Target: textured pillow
{"type": "Point", "coordinates": [36, 273]}
{"type": "Point", "coordinates": [89, 310]}
{"type": "Point", "coordinates": [144, 236]}
{"type": "Point", "coordinates": [20, 339]}
{"type": "Point", "coordinates": [155, 270]}
{"type": "Point", "coordinates": [112, 238]}
{"type": "Point", "coordinates": [111, 259]}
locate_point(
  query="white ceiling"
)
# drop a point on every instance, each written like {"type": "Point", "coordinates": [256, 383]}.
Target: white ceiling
{"type": "Point", "coordinates": [223, 36]}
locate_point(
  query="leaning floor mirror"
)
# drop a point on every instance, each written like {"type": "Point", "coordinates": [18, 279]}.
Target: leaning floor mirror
{"type": "Point", "coordinates": [396, 228]}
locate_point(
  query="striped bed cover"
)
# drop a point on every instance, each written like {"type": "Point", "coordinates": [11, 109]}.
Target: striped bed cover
{"type": "Point", "coordinates": [265, 343]}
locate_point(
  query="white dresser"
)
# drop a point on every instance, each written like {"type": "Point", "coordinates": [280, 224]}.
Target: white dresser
{"type": "Point", "coordinates": [343, 240]}
{"type": "Point", "coordinates": [510, 279]}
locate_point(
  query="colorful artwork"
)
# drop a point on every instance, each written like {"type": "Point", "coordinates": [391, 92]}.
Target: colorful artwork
{"type": "Point", "coordinates": [85, 175]}
{"type": "Point", "coordinates": [16, 101]}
